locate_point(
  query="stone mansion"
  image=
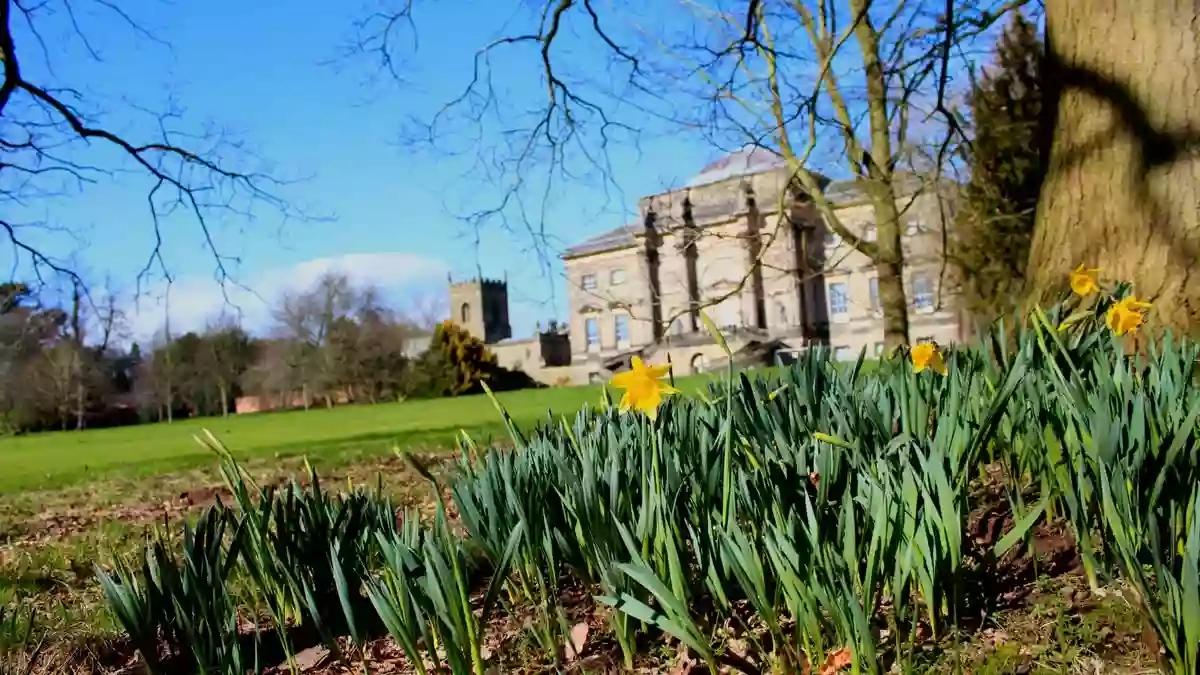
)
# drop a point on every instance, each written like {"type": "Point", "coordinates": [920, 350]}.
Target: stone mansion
{"type": "Point", "coordinates": [732, 240]}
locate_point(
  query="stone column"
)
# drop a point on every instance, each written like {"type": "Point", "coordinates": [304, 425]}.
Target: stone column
{"type": "Point", "coordinates": [753, 237]}
{"type": "Point", "coordinates": [650, 244]}
{"type": "Point", "coordinates": [690, 233]}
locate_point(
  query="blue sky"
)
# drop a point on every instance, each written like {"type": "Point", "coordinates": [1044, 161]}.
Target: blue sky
{"type": "Point", "coordinates": [276, 74]}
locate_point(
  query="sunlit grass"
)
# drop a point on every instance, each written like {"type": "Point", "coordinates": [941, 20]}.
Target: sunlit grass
{"type": "Point", "coordinates": [57, 459]}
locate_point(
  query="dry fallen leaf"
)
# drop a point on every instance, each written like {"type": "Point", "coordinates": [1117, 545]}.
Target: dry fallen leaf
{"type": "Point", "coordinates": [836, 661]}
{"type": "Point", "coordinates": [312, 658]}
{"type": "Point", "coordinates": [576, 641]}
{"type": "Point", "coordinates": [685, 663]}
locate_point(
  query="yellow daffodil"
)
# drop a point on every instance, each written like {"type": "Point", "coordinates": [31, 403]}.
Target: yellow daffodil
{"type": "Point", "coordinates": [1126, 315]}
{"type": "Point", "coordinates": [1083, 280]}
{"type": "Point", "coordinates": [644, 388]}
{"type": "Point", "coordinates": [926, 355]}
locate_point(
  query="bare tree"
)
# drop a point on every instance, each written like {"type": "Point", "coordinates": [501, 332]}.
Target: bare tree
{"type": "Point", "coordinates": [306, 320]}
{"type": "Point", "coordinates": [865, 87]}
{"type": "Point", "coordinates": [424, 309]}
{"type": "Point", "coordinates": [227, 353]}
{"type": "Point", "coordinates": [53, 145]}
{"type": "Point", "coordinates": [56, 378]}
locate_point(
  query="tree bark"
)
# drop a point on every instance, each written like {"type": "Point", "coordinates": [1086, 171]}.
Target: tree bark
{"type": "Point", "coordinates": [1123, 185]}
{"type": "Point", "coordinates": [889, 269]}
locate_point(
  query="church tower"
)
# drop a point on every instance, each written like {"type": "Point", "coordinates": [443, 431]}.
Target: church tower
{"type": "Point", "coordinates": [481, 307]}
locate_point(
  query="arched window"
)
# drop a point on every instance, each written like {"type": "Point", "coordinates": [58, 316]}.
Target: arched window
{"type": "Point", "coordinates": [465, 312]}
{"type": "Point", "coordinates": [698, 363]}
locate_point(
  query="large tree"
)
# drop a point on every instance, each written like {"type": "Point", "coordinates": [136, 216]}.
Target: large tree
{"type": "Point", "coordinates": [1123, 181]}
{"type": "Point", "coordinates": [994, 224]}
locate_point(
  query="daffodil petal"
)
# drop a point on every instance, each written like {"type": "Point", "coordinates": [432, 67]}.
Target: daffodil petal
{"type": "Point", "coordinates": [623, 380]}
{"type": "Point", "coordinates": [627, 401]}
{"type": "Point", "coordinates": [658, 371]}
{"type": "Point", "coordinates": [649, 402]}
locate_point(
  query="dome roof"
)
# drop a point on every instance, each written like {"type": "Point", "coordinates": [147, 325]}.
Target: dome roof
{"type": "Point", "coordinates": [745, 162]}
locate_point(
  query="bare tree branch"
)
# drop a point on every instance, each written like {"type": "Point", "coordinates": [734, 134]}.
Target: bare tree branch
{"type": "Point", "coordinates": [866, 83]}
{"type": "Point", "coordinates": [45, 137]}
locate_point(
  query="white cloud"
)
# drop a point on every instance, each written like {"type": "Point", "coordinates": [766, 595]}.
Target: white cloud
{"type": "Point", "coordinates": [194, 301]}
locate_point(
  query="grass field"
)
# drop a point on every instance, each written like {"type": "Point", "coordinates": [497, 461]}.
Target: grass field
{"type": "Point", "coordinates": [58, 459]}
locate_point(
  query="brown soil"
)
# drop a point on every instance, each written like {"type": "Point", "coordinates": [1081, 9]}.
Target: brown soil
{"type": "Point", "coordinates": [61, 522]}
{"type": "Point", "coordinates": [1007, 581]}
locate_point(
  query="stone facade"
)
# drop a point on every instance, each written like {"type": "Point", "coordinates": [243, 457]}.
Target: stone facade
{"type": "Point", "coordinates": [546, 357]}
{"type": "Point", "coordinates": [763, 265]}
{"type": "Point", "coordinates": [481, 307]}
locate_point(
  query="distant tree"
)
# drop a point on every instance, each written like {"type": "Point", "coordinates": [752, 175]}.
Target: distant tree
{"type": "Point", "coordinates": [457, 362]}
{"type": "Point", "coordinates": [270, 376]}
{"type": "Point", "coordinates": [431, 375]}
{"type": "Point", "coordinates": [467, 358]}
{"type": "Point", "coordinates": [190, 391]}
{"type": "Point", "coordinates": [305, 321]}
{"type": "Point", "coordinates": [227, 354]}
{"type": "Point", "coordinates": [995, 224]}
{"type": "Point", "coordinates": [154, 381]}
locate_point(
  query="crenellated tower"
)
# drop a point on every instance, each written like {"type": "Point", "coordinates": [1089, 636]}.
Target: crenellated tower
{"type": "Point", "coordinates": [481, 306]}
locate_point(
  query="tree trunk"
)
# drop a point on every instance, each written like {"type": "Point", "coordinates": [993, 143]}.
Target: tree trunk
{"type": "Point", "coordinates": [224, 393]}
{"type": "Point", "coordinates": [77, 361]}
{"type": "Point", "coordinates": [889, 268]}
{"type": "Point", "coordinates": [1123, 183]}
{"type": "Point", "coordinates": [79, 399]}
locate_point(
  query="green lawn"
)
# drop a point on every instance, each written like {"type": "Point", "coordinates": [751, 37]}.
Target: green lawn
{"type": "Point", "coordinates": [59, 458]}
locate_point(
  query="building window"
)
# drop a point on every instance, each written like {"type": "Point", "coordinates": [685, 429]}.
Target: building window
{"type": "Point", "coordinates": [616, 277]}
{"type": "Point", "coordinates": [841, 354]}
{"type": "Point", "coordinates": [878, 349]}
{"type": "Point", "coordinates": [922, 294]}
{"type": "Point", "coordinates": [593, 378]}
{"type": "Point", "coordinates": [621, 328]}
{"type": "Point", "coordinates": [874, 294]}
{"type": "Point", "coordinates": [465, 312]}
{"type": "Point", "coordinates": [698, 363]}
{"type": "Point", "coordinates": [588, 282]}
{"type": "Point", "coordinates": [591, 330]}
{"type": "Point", "coordinates": [839, 300]}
